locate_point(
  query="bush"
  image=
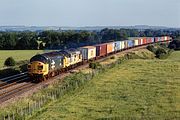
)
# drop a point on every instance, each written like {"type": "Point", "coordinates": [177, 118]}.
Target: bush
{"type": "Point", "coordinates": [23, 68]}
{"type": "Point", "coordinates": [160, 52]}
{"type": "Point", "coordinates": [151, 48]}
{"type": "Point", "coordinates": [113, 57]}
{"type": "Point", "coordinates": [94, 65]}
{"type": "Point", "coordinates": [10, 62]}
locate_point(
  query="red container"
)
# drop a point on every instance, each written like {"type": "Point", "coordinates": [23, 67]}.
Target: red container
{"type": "Point", "coordinates": [149, 40]}
{"type": "Point", "coordinates": [144, 41]}
{"type": "Point", "coordinates": [101, 50]}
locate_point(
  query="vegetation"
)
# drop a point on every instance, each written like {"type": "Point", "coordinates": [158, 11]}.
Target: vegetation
{"type": "Point", "coordinates": [161, 51]}
{"type": "Point", "coordinates": [20, 59]}
{"type": "Point", "coordinates": [94, 65]}
{"type": "Point", "coordinates": [20, 56]}
{"type": "Point", "coordinates": [113, 57]}
{"type": "Point", "coordinates": [139, 89]}
{"type": "Point", "coordinates": [175, 44]}
{"type": "Point", "coordinates": [10, 62]}
{"type": "Point", "coordinates": [136, 89]}
{"type": "Point", "coordinates": [68, 39]}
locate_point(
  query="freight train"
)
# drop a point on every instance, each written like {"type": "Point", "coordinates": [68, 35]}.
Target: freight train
{"type": "Point", "coordinates": [44, 66]}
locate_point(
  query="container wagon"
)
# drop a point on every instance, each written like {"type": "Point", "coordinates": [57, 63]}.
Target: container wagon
{"type": "Point", "coordinates": [101, 50]}
{"type": "Point", "coordinates": [122, 45]}
{"type": "Point", "coordinates": [88, 52]}
{"type": "Point", "coordinates": [110, 47]}
{"type": "Point", "coordinates": [136, 42]}
{"type": "Point", "coordinates": [130, 43]}
{"type": "Point", "coordinates": [117, 46]}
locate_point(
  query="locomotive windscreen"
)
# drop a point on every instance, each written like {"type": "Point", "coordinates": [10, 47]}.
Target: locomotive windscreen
{"type": "Point", "coordinates": [39, 58]}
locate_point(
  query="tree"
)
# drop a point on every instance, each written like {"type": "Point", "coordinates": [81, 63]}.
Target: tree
{"type": "Point", "coordinates": [9, 40]}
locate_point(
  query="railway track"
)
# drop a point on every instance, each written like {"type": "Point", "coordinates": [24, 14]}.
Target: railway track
{"type": "Point", "coordinates": [6, 95]}
{"type": "Point", "coordinates": [12, 79]}
{"type": "Point", "coordinates": [23, 78]}
{"type": "Point", "coordinates": [12, 84]}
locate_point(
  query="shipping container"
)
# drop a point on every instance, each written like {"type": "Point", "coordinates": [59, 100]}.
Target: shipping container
{"type": "Point", "coordinates": [144, 40]}
{"type": "Point", "coordinates": [110, 47]}
{"type": "Point", "coordinates": [88, 52]}
{"type": "Point", "coordinates": [117, 45]}
{"type": "Point", "coordinates": [152, 40]}
{"type": "Point", "coordinates": [156, 39]}
{"type": "Point", "coordinates": [159, 39]}
{"type": "Point", "coordinates": [126, 44]}
{"type": "Point", "coordinates": [136, 42]}
{"type": "Point", "coordinates": [169, 38]}
{"type": "Point", "coordinates": [122, 45]}
{"type": "Point", "coordinates": [148, 40]}
{"type": "Point", "coordinates": [130, 43]}
{"type": "Point", "coordinates": [162, 38]}
{"type": "Point", "coordinates": [165, 38]}
{"type": "Point", "coordinates": [141, 41]}
{"type": "Point", "coordinates": [101, 50]}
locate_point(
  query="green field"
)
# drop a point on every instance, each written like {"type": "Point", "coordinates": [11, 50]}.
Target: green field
{"type": "Point", "coordinates": [136, 89]}
{"type": "Point", "coordinates": [18, 55]}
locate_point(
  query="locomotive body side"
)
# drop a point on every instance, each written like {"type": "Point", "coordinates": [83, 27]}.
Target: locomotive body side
{"type": "Point", "coordinates": [45, 65]}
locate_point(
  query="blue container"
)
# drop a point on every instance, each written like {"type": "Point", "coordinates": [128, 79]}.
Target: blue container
{"type": "Point", "coordinates": [130, 43]}
{"type": "Point", "coordinates": [117, 45]}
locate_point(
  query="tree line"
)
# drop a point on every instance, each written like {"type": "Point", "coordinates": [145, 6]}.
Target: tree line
{"type": "Point", "coordinates": [69, 39]}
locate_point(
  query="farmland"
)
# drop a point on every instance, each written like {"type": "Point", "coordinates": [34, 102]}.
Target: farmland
{"type": "Point", "coordinates": [18, 55]}
{"type": "Point", "coordinates": [141, 89]}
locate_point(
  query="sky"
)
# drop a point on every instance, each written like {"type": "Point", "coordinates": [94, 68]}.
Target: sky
{"type": "Point", "coordinates": [80, 13]}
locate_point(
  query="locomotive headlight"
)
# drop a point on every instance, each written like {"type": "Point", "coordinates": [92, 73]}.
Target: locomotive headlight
{"type": "Point", "coordinates": [29, 66]}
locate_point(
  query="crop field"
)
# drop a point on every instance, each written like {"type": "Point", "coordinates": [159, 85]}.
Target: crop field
{"type": "Point", "coordinates": [18, 55]}
{"type": "Point", "coordinates": [136, 89]}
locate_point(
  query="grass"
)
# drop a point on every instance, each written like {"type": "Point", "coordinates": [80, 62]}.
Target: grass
{"type": "Point", "coordinates": [136, 89]}
{"type": "Point", "coordinates": [18, 55]}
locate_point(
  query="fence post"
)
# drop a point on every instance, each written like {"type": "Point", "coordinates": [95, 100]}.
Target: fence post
{"type": "Point", "coordinates": [4, 117]}
{"type": "Point", "coordinates": [8, 117]}
{"type": "Point", "coordinates": [13, 116]}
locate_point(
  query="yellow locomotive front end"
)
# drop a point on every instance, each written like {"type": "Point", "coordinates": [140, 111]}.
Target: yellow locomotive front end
{"type": "Point", "coordinates": [38, 68]}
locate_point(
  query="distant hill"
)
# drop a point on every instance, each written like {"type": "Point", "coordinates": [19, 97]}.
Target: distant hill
{"type": "Point", "coordinates": [88, 28]}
